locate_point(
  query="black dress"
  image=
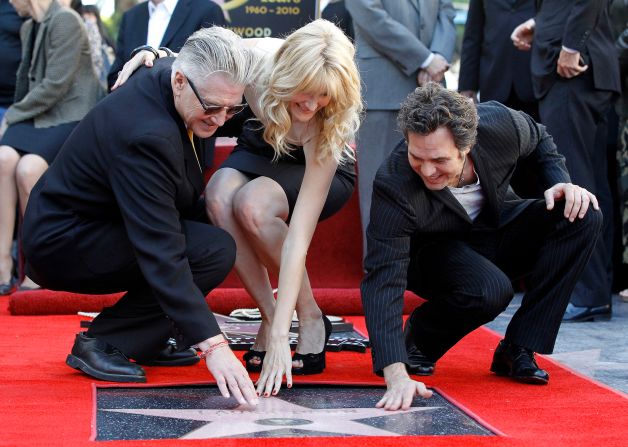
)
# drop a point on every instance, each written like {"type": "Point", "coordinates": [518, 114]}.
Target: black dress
{"type": "Point", "coordinates": [254, 157]}
{"type": "Point", "coordinates": [43, 141]}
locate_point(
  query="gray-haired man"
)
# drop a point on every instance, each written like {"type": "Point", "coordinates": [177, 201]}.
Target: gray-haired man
{"type": "Point", "coordinates": [119, 211]}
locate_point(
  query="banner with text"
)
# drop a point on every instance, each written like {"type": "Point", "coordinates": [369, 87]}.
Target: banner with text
{"type": "Point", "coordinates": [268, 18]}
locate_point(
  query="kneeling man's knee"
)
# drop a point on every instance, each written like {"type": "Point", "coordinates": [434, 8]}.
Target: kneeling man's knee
{"type": "Point", "coordinates": [593, 221]}
{"type": "Point", "coordinates": [496, 292]}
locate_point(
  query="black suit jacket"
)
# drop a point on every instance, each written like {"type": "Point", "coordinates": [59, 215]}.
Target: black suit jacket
{"type": "Point", "coordinates": [128, 163]}
{"type": "Point", "coordinates": [188, 16]}
{"type": "Point", "coordinates": [338, 14]}
{"type": "Point", "coordinates": [405, 214]}
{"type": "Point", "coordinates": [582, 25]}
{"type": "Point", "coordinates": [489, 62]}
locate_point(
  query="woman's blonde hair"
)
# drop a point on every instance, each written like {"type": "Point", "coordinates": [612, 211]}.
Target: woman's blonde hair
{"type": "Point", "coordinates": [317, 58]}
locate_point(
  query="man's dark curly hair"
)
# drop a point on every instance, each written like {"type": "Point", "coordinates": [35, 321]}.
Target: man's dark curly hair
{"type": "Point", "coordinates": [430, 107]}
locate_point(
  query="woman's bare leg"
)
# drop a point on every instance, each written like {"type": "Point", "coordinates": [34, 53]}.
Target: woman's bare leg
{"type": "Point", "coordinates": [260, 211]}
{"type": "Point", "coordinates": [9, 159]}
{"type": "Point", "coordinates": [29, 169]}
{"type": "Point", "coordinates": [219, 197]}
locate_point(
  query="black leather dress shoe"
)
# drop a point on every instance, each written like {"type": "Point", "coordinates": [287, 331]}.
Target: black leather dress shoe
{"type": "Point", "coordinates": [169, 356]}
{"type": "Point", "coordinates": [575, 314]}
{"type": "Point", "coordinates": [102, 361]}
{"type": "Point", "coordinates": [418, 363]}
{"type": "Point", "coordinates": [518, 363]}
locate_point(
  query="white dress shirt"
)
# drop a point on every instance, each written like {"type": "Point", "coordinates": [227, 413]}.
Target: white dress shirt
{"type": "Point", "coordinates": [159, 17]}
{"type": "Point", "coordinates": [471, 197]}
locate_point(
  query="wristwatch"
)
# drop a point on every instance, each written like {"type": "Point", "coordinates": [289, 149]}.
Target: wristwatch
{"type": "Point", "coordinates": [145, 48]}
{"type": "Point", "coordinates": [168, 51]}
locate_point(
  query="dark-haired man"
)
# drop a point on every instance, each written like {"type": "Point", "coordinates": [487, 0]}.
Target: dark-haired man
{"type": "Point", "coordinates": [446, 224]}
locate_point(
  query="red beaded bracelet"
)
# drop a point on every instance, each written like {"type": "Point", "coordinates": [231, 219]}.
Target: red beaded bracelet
{"type": "Point", "coordinates": [213, 348]}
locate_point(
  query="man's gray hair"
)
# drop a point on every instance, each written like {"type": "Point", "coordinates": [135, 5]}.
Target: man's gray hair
{"type": "Point", "coordinates": [216, 49]}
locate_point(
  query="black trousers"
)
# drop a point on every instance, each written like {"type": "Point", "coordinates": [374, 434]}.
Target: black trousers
{"type": "Point", "coordinates": [135, 324]}
{"type": "Point", "coordinates": [466, 280]}
{"type": "Point", "coordinates": [575, 114]}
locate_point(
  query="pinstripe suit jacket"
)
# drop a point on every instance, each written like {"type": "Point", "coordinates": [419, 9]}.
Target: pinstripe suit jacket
{"type": "Point", "coordinates": [405, 214]}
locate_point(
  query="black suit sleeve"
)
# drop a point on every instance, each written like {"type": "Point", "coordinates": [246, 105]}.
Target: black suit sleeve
{"type": "Point", "coordinates": [472, 47]}
{"type": "Point", "coordinates": [143, 180]}
{"type": "Point", "coordinates": [382, 289]}
{"type": "Point", "coordinates": [535, 143]}
{"type": "Point", "coordinates": [582, 19]}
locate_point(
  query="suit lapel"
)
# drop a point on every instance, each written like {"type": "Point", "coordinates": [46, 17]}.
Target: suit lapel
{"type": "Point", "coordinates": [487, 181]}
{"type": "Point", "coordinates": [416, 5]}
{"type": "Point", "coordinates": [140, 28]}
{"type": "Point", "coordinates": [41, 32]}
{"type": "Point", "coordinates": [192, 169]}
{"type": "Point", "coordinates": [445, 196]}
{"type": "Point", "coordinates": [180, 13]}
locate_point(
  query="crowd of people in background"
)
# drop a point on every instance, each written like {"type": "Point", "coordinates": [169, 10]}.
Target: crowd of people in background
{"type": "Point", "coordinates": [563, 64]}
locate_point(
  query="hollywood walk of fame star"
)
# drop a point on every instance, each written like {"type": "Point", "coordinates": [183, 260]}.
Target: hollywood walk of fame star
{"type": "Point", "coordinates": [274, 413]}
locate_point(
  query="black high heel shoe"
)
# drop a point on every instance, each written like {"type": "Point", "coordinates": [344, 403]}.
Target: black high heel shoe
{"type": "Point", "coordinates": [8, 288]}
{"type": "Point", "coordinates": [313, 363]}
{"type": "Point", "coordinates": [250, 366]}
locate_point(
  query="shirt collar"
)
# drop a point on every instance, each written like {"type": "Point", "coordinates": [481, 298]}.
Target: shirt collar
{"type": "Point", "coordinates": [168, 4]}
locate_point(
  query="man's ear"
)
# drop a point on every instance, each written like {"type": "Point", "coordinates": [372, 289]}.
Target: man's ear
{"type": "Point", "coordinates": [179, 81]}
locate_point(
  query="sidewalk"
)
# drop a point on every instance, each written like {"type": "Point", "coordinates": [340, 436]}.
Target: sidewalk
{"type": "Point", "coordinates": [596, 349]}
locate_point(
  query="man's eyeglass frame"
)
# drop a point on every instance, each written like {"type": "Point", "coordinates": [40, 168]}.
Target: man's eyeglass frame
{"type": "Point", "coordinates": [211, 110]}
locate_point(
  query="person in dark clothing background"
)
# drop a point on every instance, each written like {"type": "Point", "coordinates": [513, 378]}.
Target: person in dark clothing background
{"type": "Point", "coordinates": [11, 51]}
{"type": "Point", "coordinates": [575, 74]}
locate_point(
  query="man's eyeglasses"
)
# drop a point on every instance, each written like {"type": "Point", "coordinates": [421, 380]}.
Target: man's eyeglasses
{"type": "Point", "coordinates": [214, 110]}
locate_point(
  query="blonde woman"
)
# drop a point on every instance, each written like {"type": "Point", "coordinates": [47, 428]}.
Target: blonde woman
{"type": "Point", "coordinates": [291, 167]}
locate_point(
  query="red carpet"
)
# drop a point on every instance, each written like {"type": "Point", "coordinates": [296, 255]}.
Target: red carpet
{"type": "Point", "coordinates": [45, 403]}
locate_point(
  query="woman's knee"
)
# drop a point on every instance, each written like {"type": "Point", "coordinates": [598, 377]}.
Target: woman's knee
{"type": "Point", "coordinates": [219, 194]}
{"type": "Point", "coordinates": [9, 159]}
{"type": "Point", "coordinates": [219, 207]}
{"type": "Point", "coordinates": [256, 209]}
{"type": "Point", "coordinates": [29, 169]}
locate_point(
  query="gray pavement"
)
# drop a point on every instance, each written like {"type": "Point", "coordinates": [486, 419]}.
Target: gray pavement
{"type": "Point", "coordinates": [596, 349]}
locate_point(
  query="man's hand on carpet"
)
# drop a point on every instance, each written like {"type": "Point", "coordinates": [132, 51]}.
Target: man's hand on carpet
{"type": "Point", "coordinates": [229, 373]}
{"type": "Point", "coordinates": [277, 362]}
{"type": "Point", "coordinates": [401, 389]}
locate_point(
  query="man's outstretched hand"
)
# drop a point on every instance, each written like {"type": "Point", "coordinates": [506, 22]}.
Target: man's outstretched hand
{"type": "Point", "coordinates": [400, 388]}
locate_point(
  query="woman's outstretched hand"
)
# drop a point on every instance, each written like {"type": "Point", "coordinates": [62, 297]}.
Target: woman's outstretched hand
{"type": "Point", "coordinates": [142, 58]}
{"type": "Point", "coordinates": [277, 362]}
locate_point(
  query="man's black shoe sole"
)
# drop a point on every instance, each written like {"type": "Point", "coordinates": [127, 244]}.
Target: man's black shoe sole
{"type": "Point", "coordinates": [501, 370]}
{"type": "Point", "coordinates": [420, 372]}
{"type": "Point", "coordinates": [79, 364]}
{"type": "Point", "coordinates": [595, 317]}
